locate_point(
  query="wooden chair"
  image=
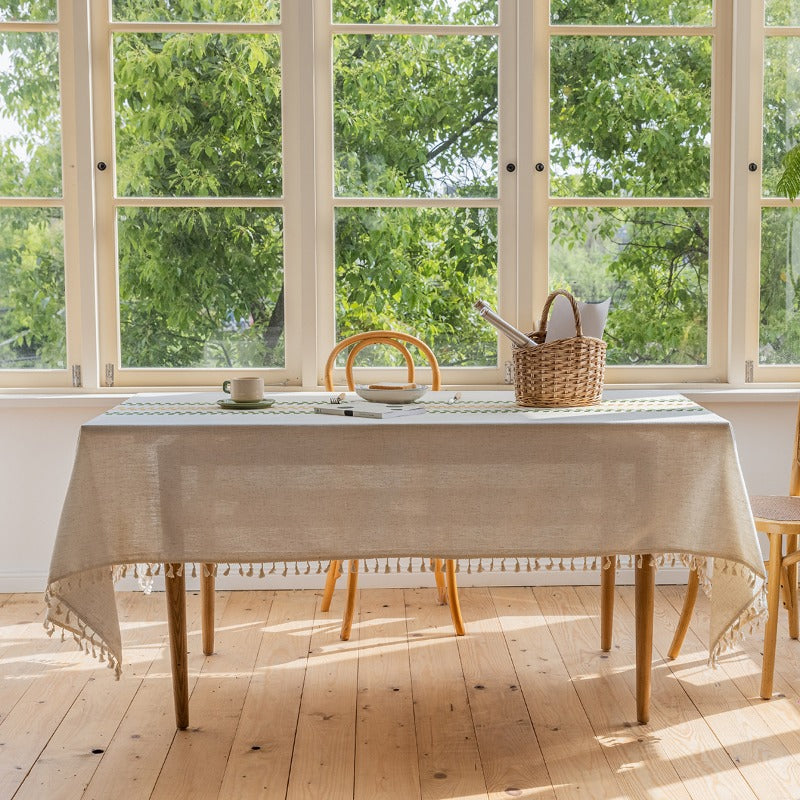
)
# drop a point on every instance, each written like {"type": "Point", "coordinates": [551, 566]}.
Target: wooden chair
{"type": "Point", "coordinates": [778, 516]}
{"type": "Point", "coordinates": [447, 590]}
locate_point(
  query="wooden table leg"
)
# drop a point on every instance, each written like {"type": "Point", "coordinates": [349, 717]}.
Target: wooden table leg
{"type": "Point", "coordinates": [176, 619]}
{"type": "Point", "coordinates": [645, 593]}
{"type": "Point", "coordinates": [608, 580]}
{"type": "Point", "coordinates": [207, 598]}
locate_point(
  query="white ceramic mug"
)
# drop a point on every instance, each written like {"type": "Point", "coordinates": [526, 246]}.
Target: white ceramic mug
{"type": "Point", "coordinates": [244, 390]}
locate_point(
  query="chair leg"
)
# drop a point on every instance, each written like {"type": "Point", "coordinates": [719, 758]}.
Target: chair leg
{"type": "Point", "coordinates": [334, 570]}
{"type": "Point", "coordinates": [608, 578]}
{"type": "Point", "coordinates": [452, 598]}
{"type": "Point", "coordinates": [686, 615]}
{"type": "Point", "coordinates": [790, 589]}
{"type": "Point", "coordinates": [773, 601]}
{"type": "Point", "coordinates": [352, 586]}
{"type": "Point", "coordinates": [441, 588]}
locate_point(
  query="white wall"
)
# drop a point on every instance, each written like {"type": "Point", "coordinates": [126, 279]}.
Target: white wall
{"type": "Point", "coordinates": [37, 447]}
{"type": "Point", "coordinates": [764, 435]}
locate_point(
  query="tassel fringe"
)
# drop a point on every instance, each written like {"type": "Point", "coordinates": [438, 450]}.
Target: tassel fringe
{"type": "Point", "coordinates": [61, 616]}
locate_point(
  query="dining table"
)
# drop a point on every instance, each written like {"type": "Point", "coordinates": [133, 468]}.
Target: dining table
{"type": "Point", "coordinates": [172, 483]}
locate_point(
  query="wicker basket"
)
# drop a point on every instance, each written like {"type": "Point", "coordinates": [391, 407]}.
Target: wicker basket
{"type": "Point", "coordinates": [563, 373]}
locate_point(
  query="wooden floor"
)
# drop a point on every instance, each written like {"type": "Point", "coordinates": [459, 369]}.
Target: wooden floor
{"type": "Point", "coordinates": [525, 705]}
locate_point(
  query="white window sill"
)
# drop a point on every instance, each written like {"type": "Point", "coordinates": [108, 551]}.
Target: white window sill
{"type": "Point", "coordinates": [105, 398]}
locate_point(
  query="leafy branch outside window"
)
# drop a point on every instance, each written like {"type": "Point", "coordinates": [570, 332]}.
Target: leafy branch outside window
{"type": "Point", "coordinates": [789, 183]}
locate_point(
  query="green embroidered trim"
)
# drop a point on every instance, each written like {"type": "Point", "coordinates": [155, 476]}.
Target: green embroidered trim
{"type": "Point", "coordinates": [665, 404]}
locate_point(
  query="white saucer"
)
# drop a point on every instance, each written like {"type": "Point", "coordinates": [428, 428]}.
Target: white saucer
{"type": "Point", "coordinates": [242, 406]}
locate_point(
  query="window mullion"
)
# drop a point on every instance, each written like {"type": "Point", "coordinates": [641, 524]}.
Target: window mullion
{"type": "Point", "coordinates": [719, 221]}
{"type": "Point", "coordinates": [297, 50]}
{"type": "Point", "coordinates": [324, 230]}
{"type": "Point", "coordinates": [103, 185]}
{"type": "Point", "coordinates": [535, 292]}
{"type": "Point", "coordinates": [79, 208]}
{"type": "Point", "coordinates": [746, 189]}
{"type": "Point", "coordinates": [508, 182]}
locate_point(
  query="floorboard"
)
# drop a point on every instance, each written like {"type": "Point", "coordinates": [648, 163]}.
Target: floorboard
{"type": "Point", "coordinates": [525, 705]}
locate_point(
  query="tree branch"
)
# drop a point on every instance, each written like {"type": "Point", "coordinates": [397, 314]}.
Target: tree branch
{"type": "Point", "coordinates": [455, 136]}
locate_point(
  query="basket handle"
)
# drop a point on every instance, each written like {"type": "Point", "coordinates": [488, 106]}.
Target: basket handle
{"type": "Point", "coordinates": [546, 312]}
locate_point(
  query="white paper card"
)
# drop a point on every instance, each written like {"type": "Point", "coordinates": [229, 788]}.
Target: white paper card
{"type": "Point", "coordinates": [562, 320]}
{"type": "Point", "coordinates": [359, 408]}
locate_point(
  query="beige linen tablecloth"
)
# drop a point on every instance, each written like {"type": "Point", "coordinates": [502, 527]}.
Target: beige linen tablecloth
{"type": "Point", "coordinates": [177, 479]}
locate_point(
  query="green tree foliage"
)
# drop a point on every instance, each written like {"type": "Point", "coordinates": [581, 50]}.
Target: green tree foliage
{"type": "Point", "coordinates": [630, 117]}
{"type": "Point", "coordinates": [421, 12]}
{"type": "Point", "coordinates": [630, 12]}
{"type": "Point", "coordinates": [32, 301]}
{"type": "Point", "coordinates": [416, 116]}
{"type": "Point", "coordinates": [789, 182]}
{"type": "Point", "coordinates": [417, 270]}
{"type": "Point", "coordinates": [779, 333]}
{"type": "Point", "coordinates": [28, 10]}
{"type": "Point", "coordinates": [199, 115]}
{"type": "Point", "coordinates": [195, 10]}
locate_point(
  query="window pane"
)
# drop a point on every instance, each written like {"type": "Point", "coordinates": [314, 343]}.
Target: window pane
{"type": "Point", "coordinates": [630, 116]}
{"type": "Point", "coordinates": [428, 12]}
{"type": "Point", "coordinates": [779, 336]}
{"type": "Point", "coordinates": [28, 10]}
{"type": "Point", "coordinates": [32, 317]}
{"type": "Point", "coordinates": [652, 263]}
{"type": "Point", "coordinates": [196, 10]}
{"type": "Point", "coordinates": [781, 106]}
{"type": "Point", "coordinates": [419, 271]}
{"type": "Point", "coordinates": [201, 287]}
{"type": "Point", "coordinates": [782, 12]}
{"type": "Point", "coordinates": [30, 123]}
{"type": "Point", "coordinates": [198, 115]}
{"type": "Point", "coordinates": [636, 12]}
{"type": "Point", "coordinates": [415, 116]}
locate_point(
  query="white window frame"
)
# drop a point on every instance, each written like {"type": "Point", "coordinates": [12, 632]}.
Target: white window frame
{"type": "Point", "coordinates": [751, 200]}
{"type": "Point", "coordinates": [103, 30]}
{"type": "Point", "coordinates": [71, 61]}
{"type": "Point", "coordinates": [505, 202]}
{"type": "Point", "coordinates": [720, 32]}
{"type": "Point", "coordinates": [305, 27]}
